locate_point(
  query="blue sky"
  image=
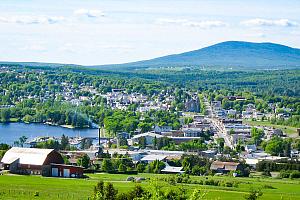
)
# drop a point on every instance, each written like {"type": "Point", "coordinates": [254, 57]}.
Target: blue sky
{"type": "Point", "coordinates": [91, 32]}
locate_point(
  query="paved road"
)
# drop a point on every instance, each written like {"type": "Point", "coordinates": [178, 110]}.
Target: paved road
{"type": "Point", "coordinates": [220, 132]}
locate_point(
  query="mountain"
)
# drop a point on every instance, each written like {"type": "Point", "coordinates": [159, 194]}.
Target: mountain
{"type": "Point", "coordinates": [226, 54]}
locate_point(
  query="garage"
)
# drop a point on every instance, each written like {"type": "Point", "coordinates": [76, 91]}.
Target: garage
{"type": "Point", "coordinates": [66, 171]}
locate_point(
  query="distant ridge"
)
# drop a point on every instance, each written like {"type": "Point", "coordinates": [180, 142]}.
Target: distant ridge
{"type": "Point", "coordinates": [236, 54]}
{"type": "Point", "coordinates": [248, 55]}
{"type": "Point", "coordinates": [38, 64]}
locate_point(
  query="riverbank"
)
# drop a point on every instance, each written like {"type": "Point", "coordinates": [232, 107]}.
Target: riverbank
{"type": "Point", "coordinates": [64, 125]}
{"type": "Point", "coordinates": [16, 120]}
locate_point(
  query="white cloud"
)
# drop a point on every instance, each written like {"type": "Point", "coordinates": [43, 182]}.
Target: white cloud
{"type": "Point", "coordinates": [26, 19]}
{"type": "Point", "coordinates": [204, 24]}
{"type": "Point", "coordinates": [34, 47]}
{"type": "Point", "coordinates": [267, 22]}
{"type": "Point", "coordinates": [259, 35]}
{"type": "Point", "coordinates": [89, 13]}
{"type": "Point", "coordinates": [295, 32]}
{"type": "Point", "coordinates": [68, 47]}
{"type": "Point", "coordinates": [124, 47]}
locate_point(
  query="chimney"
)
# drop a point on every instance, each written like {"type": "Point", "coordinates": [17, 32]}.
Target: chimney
{"type": "Point", "coordinates": [99, 135]}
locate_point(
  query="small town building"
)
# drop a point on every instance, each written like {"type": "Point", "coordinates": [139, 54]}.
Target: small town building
{"type": "Point", "coordinates": [210, 153]}
{"type": "Point", "coordinates": [226, 167]}
{"type": "Point", "coordinates": [250, 148]}
{"type": "Point", "coordinates": [192, 105]}
{"type": "Point", "coordinates": [192, 132]}
{"type": "Point", "coordinates": [149, 138]}
{"type": "Point", "coordinates": [179, 140]}
{"type": "Point", "coordinates": [252, 162]}
{"type": "Point", "coordinates": [172, 170]}
{"type": "Point", "coordinates": [159, 129]}
{"type": "Point", "coordinates": [150, 158]}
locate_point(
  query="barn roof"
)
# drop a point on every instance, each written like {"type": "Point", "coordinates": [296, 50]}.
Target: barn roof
{"type": "Point", "coordinates": [29, 156]}
{"type": "Point", "coordinates": [224, 165]}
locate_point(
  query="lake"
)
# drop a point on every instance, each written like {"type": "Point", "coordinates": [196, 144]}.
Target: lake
{"type": "Point", "coordinates": [12, 131]}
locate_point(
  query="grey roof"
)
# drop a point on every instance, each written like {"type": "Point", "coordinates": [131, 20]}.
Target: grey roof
{"type": "Point", "coordinates": [173, 169]}
{"type": "Point", "coordinates": [29, 156]}
{"type": "Point", "coordinates": [153, 157]}
{"type": "Point", "coordinates": [151, 134]}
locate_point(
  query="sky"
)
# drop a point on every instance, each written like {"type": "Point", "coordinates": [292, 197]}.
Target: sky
{"type": "Point", "coordinates": [95, 32]}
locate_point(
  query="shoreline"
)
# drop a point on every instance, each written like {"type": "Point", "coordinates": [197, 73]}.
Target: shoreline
{"type": "Point", "coordinates": [48, 123]}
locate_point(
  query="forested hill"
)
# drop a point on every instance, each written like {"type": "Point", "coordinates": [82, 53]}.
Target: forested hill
{"type": "Point", "coordinates": [229, 54]}
{"type": "Point", "coordinates": [225, 55]}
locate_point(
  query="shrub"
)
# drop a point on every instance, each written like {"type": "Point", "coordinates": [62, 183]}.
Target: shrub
{"type": "Point", "coordinates": [179, 179]}
{"type": "Point", "coordinates": [289, 174]}
{"type": "Point", "coordinates": [253, 194]}
{"type": "Point", "coordinates": [284, 174]}
{"type": "Point", "coordinates": [266, 173]}
{"type": "Point", "coordinates": [268, 187]}
{"type": "Point", "coordinates": [185, 180]}
{"type": "Point", "coordinates": [171, 180]}
{"type": "Point", "coordinates": [228, 184]}
{"type": "Point", "coordinates": [295, 174]}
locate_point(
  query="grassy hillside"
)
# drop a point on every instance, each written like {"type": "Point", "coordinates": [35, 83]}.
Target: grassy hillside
{"type": "Point", "coordinates": [25, 187]}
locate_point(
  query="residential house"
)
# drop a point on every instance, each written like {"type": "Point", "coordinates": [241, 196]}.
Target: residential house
{"type": "Point", "coordinates": [149, 137]}
{"type": "Point", "coordinates": [159, 129]}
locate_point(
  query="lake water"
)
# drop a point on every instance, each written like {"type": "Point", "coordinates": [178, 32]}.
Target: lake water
{"type": "Point", "coordinates": [12, 131]}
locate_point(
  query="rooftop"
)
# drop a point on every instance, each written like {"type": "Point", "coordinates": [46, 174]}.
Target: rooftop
{"type": "Point", "coordinates": [30, 156]}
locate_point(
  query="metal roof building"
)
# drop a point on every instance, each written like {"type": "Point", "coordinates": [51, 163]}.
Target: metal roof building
{"type": "Point", "coordinates": [151, 158]}
{"type": "Point", "coordinates": [30, 160]}
{"type": "Point", "coordinates": [171, 170]}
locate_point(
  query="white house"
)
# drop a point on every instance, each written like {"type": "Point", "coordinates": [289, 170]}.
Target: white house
{"type": "Point", "coordinates": [159, 129]}
{"type": "Point", "coordinates": [149, 137]}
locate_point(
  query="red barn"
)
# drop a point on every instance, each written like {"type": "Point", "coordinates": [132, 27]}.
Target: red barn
{"type": "Point", "coordinates": [45, 162]}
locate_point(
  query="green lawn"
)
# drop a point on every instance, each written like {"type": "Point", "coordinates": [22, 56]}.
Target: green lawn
{"type": "Point", "coordinates": [24, 187]}
{"type": "Point", "coordinates": [286, 129]}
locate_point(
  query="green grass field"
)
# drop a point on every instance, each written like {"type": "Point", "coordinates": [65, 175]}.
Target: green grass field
{"type": "Point", "coordinates": [286, 129]}
{"type": "Point", "coordinates": [25, 187]}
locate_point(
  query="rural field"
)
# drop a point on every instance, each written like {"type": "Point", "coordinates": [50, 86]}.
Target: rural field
{"type": "Point", "coordinates": [36, 187]}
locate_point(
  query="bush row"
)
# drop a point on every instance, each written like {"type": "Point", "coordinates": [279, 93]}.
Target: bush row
{"type": "Point", "coordinates": [186, 179]}
{"type": "Point", "coordinates": [289, 174]}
